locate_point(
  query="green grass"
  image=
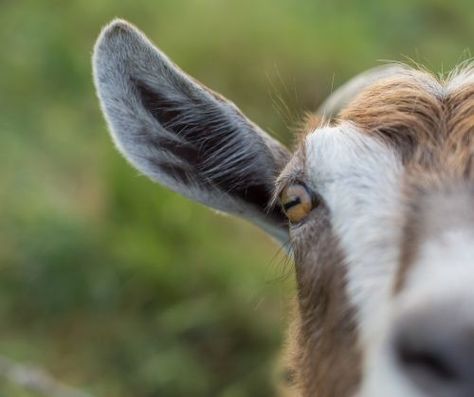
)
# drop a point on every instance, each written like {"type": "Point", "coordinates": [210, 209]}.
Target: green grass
{"type": "Point", "coordinates": [112, 283]}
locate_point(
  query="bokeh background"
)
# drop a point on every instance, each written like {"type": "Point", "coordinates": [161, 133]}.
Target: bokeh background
{"type": "Point", "coordinates": [116, 286]}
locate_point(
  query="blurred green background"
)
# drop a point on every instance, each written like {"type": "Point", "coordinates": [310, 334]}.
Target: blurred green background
{"type": "Point", "coordinates": [116, 286]}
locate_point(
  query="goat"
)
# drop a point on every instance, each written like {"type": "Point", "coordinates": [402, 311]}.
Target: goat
{"type": "Point", "coordinates": [376, 200]}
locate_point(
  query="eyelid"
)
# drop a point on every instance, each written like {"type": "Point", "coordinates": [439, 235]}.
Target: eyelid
{"type": "Point", "coordinates": [288, 182]}
{"type": "Point", "coordinates": [311, 193]}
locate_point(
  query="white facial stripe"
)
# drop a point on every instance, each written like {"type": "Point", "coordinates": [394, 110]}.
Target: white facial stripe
{"type": "Point", "coordinates": [359, 178]}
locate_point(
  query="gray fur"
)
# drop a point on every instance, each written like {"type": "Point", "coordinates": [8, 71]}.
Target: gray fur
{"type": "Point", "coordinates": [183, 135]}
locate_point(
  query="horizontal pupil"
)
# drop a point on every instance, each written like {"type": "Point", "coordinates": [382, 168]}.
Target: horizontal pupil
{"type": "Point", "coordinates": [292, 203]}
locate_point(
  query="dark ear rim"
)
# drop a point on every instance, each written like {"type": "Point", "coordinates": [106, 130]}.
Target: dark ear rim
{"type": "Point", "coordinates": [168, 135]}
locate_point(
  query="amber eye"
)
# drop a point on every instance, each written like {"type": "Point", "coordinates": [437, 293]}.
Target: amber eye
{"type": "Point", "coordinates": [297, 202]}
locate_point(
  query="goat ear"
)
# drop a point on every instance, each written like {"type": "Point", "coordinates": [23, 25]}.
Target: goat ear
{"type": "Point", "coordinates": [183, 135]}
{"type": "Point", "coordinates": [349, 90]}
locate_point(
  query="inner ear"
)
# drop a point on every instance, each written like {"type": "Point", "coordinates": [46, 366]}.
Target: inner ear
{"type": "Point", "coordinates": [207, 144]}
{"type": "Point", "coordinates": [162, 108]}
{"type": "Point", "coordinates": [183, 135]}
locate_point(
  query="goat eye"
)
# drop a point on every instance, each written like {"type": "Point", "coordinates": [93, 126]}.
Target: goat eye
{"type": "Point", "coordinates": [297, 202]}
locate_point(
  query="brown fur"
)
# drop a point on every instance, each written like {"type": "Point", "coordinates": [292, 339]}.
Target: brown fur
{"type": "Point", "coordinates": [326, 356]}
{"type": "Point", "coordinates": [430, 126]}
{"type": "Point", "coordinates": [309, 123]}
{"type": "Point", "coordinates": [323, 353]}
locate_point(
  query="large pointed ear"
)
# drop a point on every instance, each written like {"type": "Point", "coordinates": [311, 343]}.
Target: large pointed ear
{"type": "Point", "coordinates": [183, 135]}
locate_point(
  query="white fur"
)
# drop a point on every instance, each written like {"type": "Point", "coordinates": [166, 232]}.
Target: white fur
{"type": "Point", "coordinates": [383, 376]}
{"type": "Point", "coordinates": [443, 270]}
{"type": "Point", "coordinates": [460, 77]}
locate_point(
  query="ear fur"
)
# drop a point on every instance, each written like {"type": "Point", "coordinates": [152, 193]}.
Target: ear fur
{"type": "Point", "coordinates": [341, 97]}
{"type": "Point", "coordinates": [183, 135]}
